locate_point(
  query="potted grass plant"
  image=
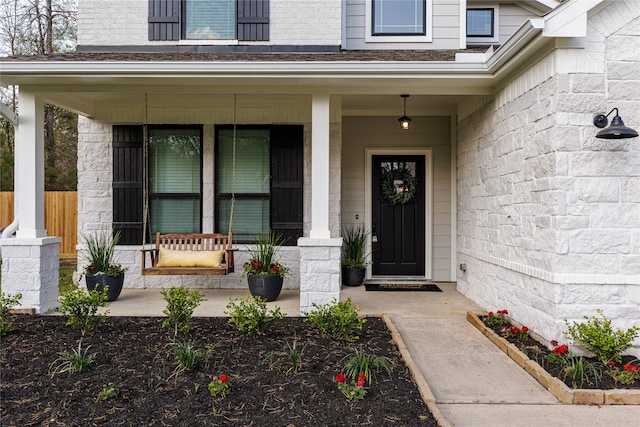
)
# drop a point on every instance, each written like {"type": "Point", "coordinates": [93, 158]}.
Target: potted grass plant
{"type": "Point", "coordinates": [265, 274]}
{"type": "Point", "coordinates": [354, 263]}
{"type": "Point", "coordinates": [102, 270]}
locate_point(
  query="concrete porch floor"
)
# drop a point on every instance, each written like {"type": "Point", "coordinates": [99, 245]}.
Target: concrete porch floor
{"type": "Point", "coordinates": [472, 382]}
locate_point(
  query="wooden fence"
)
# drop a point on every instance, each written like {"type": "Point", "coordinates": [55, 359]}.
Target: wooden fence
{"type": "Point", "coordinates": [60, 216]}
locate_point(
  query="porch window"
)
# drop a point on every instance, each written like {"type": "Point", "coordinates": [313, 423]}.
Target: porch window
{"type": "Point", "coordinates": [175, 183]}
{"type": "Point", "coordinates": [398, 17]}
{"type": "Point", "coordinates": [268, 181]}
{"type": "Point", "coordinates": [213, 19]}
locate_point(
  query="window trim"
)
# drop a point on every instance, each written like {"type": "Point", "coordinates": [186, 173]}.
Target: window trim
{"type": "Point", "coordinates": [495, 38]}
{"type": "Point", "coordinates": [177, 196]}
{"type": "Point", "coordinates": [399, 38]}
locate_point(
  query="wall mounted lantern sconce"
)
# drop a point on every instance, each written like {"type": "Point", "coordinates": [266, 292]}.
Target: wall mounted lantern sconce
{"type": "Point", "coordinates": [404, 120]}
{"type": "Point", "coordinates": [617, 130]}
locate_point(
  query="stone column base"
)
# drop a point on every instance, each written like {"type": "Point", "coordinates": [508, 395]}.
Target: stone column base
{"type": "Point", "coordinates": [30, 267]}
{"type": "Point", "coordinates": [319, 271]}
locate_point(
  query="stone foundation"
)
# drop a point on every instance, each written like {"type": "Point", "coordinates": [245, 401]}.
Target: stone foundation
{"type": "Point", "coordinates": [319, 271]}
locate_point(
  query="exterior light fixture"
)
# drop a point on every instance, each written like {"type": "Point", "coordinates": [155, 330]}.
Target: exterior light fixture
{"type": "Point", "coordinates": [404, 120]}
{"type": "Point", "coordinates": [617, 130]}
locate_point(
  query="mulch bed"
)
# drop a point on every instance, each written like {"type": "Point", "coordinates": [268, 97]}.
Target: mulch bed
{"type": "Point", "coordinates": [538, 353]}
{"type": "Point", "coordinates": [133, 353]}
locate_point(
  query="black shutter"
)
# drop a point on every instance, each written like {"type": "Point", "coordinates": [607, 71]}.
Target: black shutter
{"type": "Point", "coordinates": [253, 20]}
{"type": "Point", "coordinates": [287, 177]}
{"type": "Point", "coordinates": [164, 19]}
{"type": "Point", "coordinates": [128, 191]}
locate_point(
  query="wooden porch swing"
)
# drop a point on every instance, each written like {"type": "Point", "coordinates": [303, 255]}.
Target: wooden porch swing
{"type": "Point", "coordinates": [191, 254]}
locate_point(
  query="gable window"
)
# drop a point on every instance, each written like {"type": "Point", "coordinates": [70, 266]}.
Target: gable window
{"type": "Point", "coordinates": [398, 21]}
{"type": "Point", "coordinates": [210, 20]}
{"type": "Point", "coordinates": [175, 183]}
{"type": "Point", "coordinates": [398, 17]}
{"type": "Point", "coordinates": [232, 20]}
{"type": "Point", "coordinates": [268, 181]}
{"type": "Point", "coordinates": [482, 25]}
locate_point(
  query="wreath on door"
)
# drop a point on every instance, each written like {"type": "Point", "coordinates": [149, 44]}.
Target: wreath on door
{"type": "Point", "coordinates": [398, 186]}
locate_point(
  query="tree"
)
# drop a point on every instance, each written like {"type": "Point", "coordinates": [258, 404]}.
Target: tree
{"type": "Point", "coordinates": [40, 27]}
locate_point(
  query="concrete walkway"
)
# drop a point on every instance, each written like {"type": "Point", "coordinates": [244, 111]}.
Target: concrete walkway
{"type": "Point", "coordinates": [472, 382]}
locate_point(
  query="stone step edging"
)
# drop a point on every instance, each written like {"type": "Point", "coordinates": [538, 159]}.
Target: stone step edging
{"type": "Point", "coordinates": [556, 387]}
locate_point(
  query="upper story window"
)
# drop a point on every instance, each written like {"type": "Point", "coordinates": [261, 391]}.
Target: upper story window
{"type": "Point", "coordinates": [232, 20]}
{"type": "Point", "coordinates": [398, 21]}
{"type": "Point", "coordinates": [210, 20]}
{"type": "Point", "coordinates": [482, 25]}
{"type": "Point", "coordinates": [399, 17]}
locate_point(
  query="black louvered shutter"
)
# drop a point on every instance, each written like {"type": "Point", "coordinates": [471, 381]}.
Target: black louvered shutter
{"type": "Point", "coordinates": [253, 20]}
{"type": "Point", "coordinates": [128, 191]}
{"type": "Point", "coordinates": [287, 177]}
{"type": "Point", "coordinates": [164, 19]}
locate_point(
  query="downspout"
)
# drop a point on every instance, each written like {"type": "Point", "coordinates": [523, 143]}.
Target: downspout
{"type": "Point", "coordinates": [13, 118]}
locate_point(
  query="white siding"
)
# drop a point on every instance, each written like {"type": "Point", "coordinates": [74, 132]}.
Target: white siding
{"type": "Point", "coordinates": [360, 133]}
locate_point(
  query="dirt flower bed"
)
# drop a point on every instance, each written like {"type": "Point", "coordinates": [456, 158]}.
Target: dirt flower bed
{"type": "Point", "coordinates": [551, 359]}
{"type": "Point", "coordinates": [134, 381]}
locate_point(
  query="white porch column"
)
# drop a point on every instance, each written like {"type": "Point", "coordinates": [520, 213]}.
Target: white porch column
{"type": "Point", "coordinates": [320, 167]}
{"type": "Point", "coordinates": [30, 260]}
{"type": "Point", "coordinates": [29, 167]}
{"type": "Point", "coordinates": [319, 253]}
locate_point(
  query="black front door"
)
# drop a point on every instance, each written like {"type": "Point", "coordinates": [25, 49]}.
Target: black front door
{"type": "Point", "coordinates": [398, 215]}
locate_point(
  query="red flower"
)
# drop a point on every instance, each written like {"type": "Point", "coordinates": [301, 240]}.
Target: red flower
{"type": "Point", "coordinates": [490, 314]}
{"type": "Point", "coordinates": [505, 329]}
{"type": "Point", "coordinates": [611, 363]}
{"type": "Point", "coordinates": [362, 377]}
{"type": "Point", "coordinates": [554, 343]}
{"type": "Point", "coordinates": [360, 383]}
{"type": "Point", "coordinates": [340, 378]}
{"type": "Point", "coordinates": [561, 349]}
{"type": "Point", "coordinates": [223, 378]}
{"type": "Point", "coordinates": [525, 329]}
{"type": "Point", "coordinates": [503, 312]}
{"type": "Point", "coordinates": [275, 268]}
{"type": "Point", "coordinates": [515, 330]}
{"type": "Point", "coordinates": [629, 367]}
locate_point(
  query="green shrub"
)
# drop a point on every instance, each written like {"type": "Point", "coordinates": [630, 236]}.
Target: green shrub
{"type": "Point", "coordinates": [289, 356]}
{"type": "Point", "coordinates": [77, 361]}
{"type": "Point", "coordinates": [180, 306]}
{"type": "Point", "coordinates": [81, 308]}
{"type": "Point", "coordinates": [338, 320]}
{"type": "Point", "coordinates": [188, 356]}
{"type": "Point", "coordinates": [7, 302]}
{"type": "Point", "coordinates": [250, 315]}
{"type": "Point", "coordinates": [581, 371]}
{"type": "Point", "coordinates": [361, 363]}
{"type": "Point", "coordinates": [109, 390]}
{"type": "Point", "coordinates": [597, 336]}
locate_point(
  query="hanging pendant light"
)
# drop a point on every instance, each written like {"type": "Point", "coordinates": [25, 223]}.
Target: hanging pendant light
{"type": "Point", "coordinates": [617, 130]}
{"type": "Point", "coordinates": [404, 120]}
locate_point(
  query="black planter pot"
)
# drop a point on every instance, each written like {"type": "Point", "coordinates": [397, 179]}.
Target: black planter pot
{"type": "Point", "coordinates": [99, 281]}
{"type": "Point", "coordinates": [267, 287]}
{"type": "Point", "coordinates": [352, 276]}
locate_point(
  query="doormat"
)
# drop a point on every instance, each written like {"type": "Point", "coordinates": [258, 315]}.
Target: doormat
{"type": "Point", "coordinates": [402, 287]}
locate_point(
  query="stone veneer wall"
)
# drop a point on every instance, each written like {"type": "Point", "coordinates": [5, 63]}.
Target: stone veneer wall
{"type": "Point", "coordinates": [549, 215]}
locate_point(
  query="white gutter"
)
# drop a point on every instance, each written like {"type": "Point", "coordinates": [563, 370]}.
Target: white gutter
{"type": "Point", "coordinates": [13, 118]}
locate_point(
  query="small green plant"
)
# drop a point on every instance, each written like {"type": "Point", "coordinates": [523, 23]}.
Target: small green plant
{"type": "Point", "coordinates": [264, 256]}
{"type": "Point", "coordinates": [290, 356]}
{"type": "Point", "coordinates": [109, 391]}
{"type": "Point", "coordinates": [220, 386]}
{"type": "Point", "coordinates": [100, 253]}
{"type": "Point", "coordinates": [188, 356]}
{"type": "Point", "coordinates": [581, 371]}
{"type": "Point", "coordinates": [597, 336]}
{"type": "Point", "coordinates": [7, 302]}
{"type": "Point", "coordinates": [353, 391]}
{"type": "Point", "coordinates": [369, 365]}
{"type": "Point", "coordinates": [338, 320]}
{"type": "Point", "coordinates": [250, 315]}
{"type": "Point", "coordinates": [81, 308]}
{"type": "Point", "coordinates": [78, 360]}
{"type": "Point", "coordinates": [499, 318]}
{"type": "Point", "coordinates": [354, 239]}
{"type": "Point", "coordinates": [180, 306]}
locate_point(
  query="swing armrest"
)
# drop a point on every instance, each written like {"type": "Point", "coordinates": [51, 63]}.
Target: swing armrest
{"type": "Point", "coordinates": [154, 257]}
